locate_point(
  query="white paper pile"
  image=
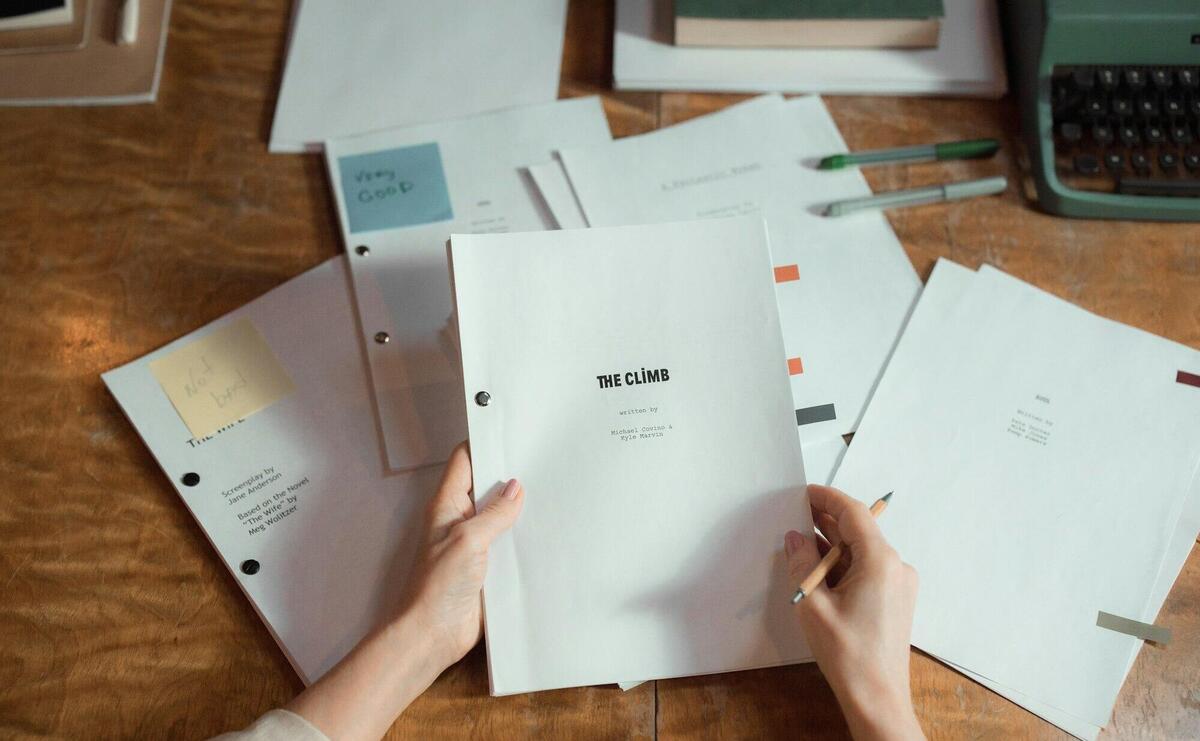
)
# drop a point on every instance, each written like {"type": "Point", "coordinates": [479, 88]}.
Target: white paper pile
{"type": "Point", "coordinates": [1044, 464]}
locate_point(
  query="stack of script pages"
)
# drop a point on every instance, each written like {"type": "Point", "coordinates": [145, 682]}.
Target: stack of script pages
{"type": "Point", "coordinates": [1047, 458]}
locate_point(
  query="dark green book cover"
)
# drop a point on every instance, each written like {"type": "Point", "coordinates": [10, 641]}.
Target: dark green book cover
{"type": "Point", "coordinates": [809, 9]}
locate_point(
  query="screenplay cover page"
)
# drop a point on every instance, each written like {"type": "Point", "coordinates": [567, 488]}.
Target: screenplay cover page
{"type": "Point", "coordinates": [636, 385]}
{"type": "Point", "coordinates": [1051, 452]}
{"type": "Point", "coordinates": [400, 193]}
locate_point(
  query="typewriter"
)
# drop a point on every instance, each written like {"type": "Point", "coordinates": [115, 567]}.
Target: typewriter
{"type": "Point", "coordinates": [1109, 96]}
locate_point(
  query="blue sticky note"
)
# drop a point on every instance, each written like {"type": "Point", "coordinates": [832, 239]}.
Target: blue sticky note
{"type": "Point", "coordinates": [395, 188]}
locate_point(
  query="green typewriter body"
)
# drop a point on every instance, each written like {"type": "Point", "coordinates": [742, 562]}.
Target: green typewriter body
{"type": "Point", "coordinates": [1109, 94]}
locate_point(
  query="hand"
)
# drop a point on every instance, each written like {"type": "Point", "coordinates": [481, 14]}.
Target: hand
{"type": "Point", "coordinates": [444, 595]}
{"type": "Point", "coordinates": [858, 626]}
{"type": "Point", "coordinates": [438, 624]}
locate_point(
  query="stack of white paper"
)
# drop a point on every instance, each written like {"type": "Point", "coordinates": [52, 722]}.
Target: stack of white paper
{"type": "Point", "coordinates": [635, 383]}
{"type": "Point", "coordinates": [1044, 462]}
{"type": "Point", "coordinates": [399, 195]}
{"type": "Point", "coordinates": [844, 286]}
{"type": "Point", "coordinates": [968, 60]}
{"type": "Point", "coordinates": [362, 66]}
{"type": "Point", "coordinates": [290, 484]}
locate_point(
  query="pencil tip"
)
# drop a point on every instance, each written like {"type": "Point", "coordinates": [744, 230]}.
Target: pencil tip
{"type": "Point", "coordinates": [799, 595]}
{"type": "Point", "coordinates": [886, 497]}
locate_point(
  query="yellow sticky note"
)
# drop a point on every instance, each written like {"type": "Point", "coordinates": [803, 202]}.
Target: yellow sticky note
{"type": "Point", "coordinates": [222, 378]}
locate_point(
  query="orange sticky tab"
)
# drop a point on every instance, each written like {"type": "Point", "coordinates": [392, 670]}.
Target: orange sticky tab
{"type": "Point", "coordinates": [785, 273]}
{"type": "Point", "coordinates": [795, 367]}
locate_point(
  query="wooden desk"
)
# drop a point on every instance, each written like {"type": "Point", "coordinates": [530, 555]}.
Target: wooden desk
{"type": "Point", "coordinates": [124, 228]}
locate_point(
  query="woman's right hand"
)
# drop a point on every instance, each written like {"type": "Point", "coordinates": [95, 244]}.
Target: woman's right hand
{"type": "Point", "coordinates": [859, 623]}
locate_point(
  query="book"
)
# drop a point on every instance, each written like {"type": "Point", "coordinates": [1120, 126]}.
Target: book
{"type": "Point", "coordinates": [803, 23]}
{"type": "Point", "coordinates": [634, 380]}
{"type": "Point", "coordinates": [967, 61]}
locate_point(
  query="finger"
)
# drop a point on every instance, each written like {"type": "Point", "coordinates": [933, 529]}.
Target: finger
{"type": "Point", "coordinates": [802, 559]}
{"type": "Point", "coordinates": [499, 514]}
{"type": "Point", "coordinates": [452, 502]}
{"type": "Point", "coordinates": [855, 525]}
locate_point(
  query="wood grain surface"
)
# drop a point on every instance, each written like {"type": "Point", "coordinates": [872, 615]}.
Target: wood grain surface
{"type": "Point", "coordinates": [124, 228]}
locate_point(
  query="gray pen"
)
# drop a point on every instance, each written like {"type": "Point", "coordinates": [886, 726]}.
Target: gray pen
{"type": "Point", "coordinates": [920, 196]}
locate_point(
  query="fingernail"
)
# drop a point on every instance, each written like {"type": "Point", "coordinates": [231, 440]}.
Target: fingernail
{"type": "Point", "coordinates": [511, 489]}
{"type": "Point", "coordinates": [792, 541]}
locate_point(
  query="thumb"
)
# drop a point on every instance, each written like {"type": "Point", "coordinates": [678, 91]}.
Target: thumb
{"type": "Point", "coordinates": [499, 514]}
{"type": "Point", "coordinates": [802, 556]}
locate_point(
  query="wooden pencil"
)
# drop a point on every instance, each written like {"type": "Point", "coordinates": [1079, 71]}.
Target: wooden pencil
{"type": "Point", "coordinates": [835, 554]}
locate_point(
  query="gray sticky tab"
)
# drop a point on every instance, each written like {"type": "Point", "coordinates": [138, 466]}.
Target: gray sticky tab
{"type": "Point", "coordinates": [1145, 631]}
{"type": "Point", "coordinates": [809, 415]}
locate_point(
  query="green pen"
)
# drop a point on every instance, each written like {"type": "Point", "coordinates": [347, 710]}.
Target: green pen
{"type": "Point", "coordinates": [965, 150]}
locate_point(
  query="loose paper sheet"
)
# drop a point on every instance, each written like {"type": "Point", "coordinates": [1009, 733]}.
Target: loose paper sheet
{"type": "Point", "coordinates": [1016, 425]}
{"type": "Point", "coordinates": [301, 487]}
{"type": "Point", "coordinates": [365, 66]}
{"type": "Point", "coordinates": [844, 286]}
{"type": "Point", "coordinates": [400, 193]}
{"type": "Point", "coordinates": [222, 377]}
{"type": "Point", "coordinates": [658, 456]}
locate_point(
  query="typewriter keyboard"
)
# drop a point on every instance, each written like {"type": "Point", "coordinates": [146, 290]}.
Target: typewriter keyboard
{"type": "Point", "coordinates": [1129, 130]}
